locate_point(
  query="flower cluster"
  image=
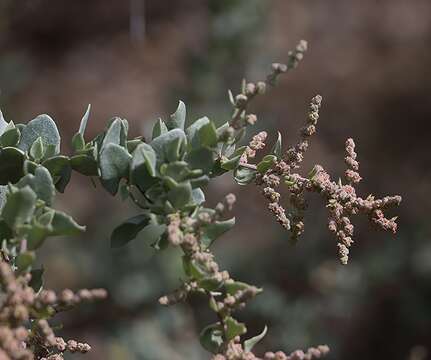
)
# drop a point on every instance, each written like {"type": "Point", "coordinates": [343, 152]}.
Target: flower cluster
{"type": "Point", "coordinates": [20, 303]}
{"type": "Point", "coordinates": [235, 351]}
{"type": "Point", "coordinates": [342, 202]}
{"type": "Point", "coordinates": [257, 143]}
{"type": "Point", "coordinates": [188, 232]}
{"type": "Point", "coordinates": [283, 169]}
{"type": "Point", "coordinates": [341, 199]}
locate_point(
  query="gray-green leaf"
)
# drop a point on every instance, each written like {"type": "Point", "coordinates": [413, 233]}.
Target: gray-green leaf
{"type": "Point", "coordinates": [25, 260]}
{"type": "Point", "coordinates": [144, 155]}
{"type": "Point", "coordinates": [36, 281]}
{"type": "Point", "coordinates": [41, 183]}
{"type": "Point", "coordinates": [277, 149]}
{"type": "Point", "coordinates": [63, 224]}
{"type": "Point", "coordinates": [84, 164]}
{"type": "Point", "coordinates": [244, 175]}
{"type": "Point", "coordinates": [11, 165]}
{"type": "Point", "coordinates": [128, 230]}
{"type": "Point", "coordinates": [215, 230]}
{"type": "Point", "coordinates": [113, 134]}
{"type": "Point", "coordinates": [198, 196]}
{"type": "Point", "coordinates": [169, 146]}
{"type": "Point", "coordinates": [10, 137]}
{"type": "Point", "coordinates": [178, 118]}
{"type": "Point", "coordinates": [202, 158]}
{"type": "Point", "coordinates": [84, 120]}
{"type": "Point", "coordinates": [37, 149]}
{"type": "Point", "coordinates": [180, 195]}
{"type": "Point", "coordinates": [60, 169]}
{"type": "Point", "coordinates": [250, 343]}
{"type": "Point", "coordinates": [202, 133]}
{"type": "Point", "coordinates": [234, 328]}
{"type": "Point", "coordinates": [3, 123]}
{"type": "Point", "coordinates": [19, 207]}
{"type": "Point", "coordinates": [114, 162]}
{"type": "Point", "coordinates": [266, 163]}
{"type": "Point", "coordinates": [211, 338]}
{"type": "Point", "coordinates": [159, 128]}
{"type": "Point", "coordinates": [78, 142]}
{"type": "Point", "coordinates": [42, 126]}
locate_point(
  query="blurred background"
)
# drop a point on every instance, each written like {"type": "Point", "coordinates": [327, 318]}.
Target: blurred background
{"type": "Point", "coordinates": [369, 59]}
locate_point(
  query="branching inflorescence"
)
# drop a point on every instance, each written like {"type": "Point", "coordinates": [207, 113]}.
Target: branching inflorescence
{"type": "Point", "coordinates": [21, 304]}
{"type": "Point", "coordinates": [165, 178]}
{"type": "Point", "coordinates": [278, 168]}
{"type": "Point", "coordinates": [341, 199]}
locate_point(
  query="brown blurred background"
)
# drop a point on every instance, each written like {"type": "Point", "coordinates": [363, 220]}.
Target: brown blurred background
{"type": "Point", "coordinates": [369, 59]}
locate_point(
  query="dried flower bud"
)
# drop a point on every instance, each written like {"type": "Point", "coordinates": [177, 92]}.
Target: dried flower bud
{"type": "Point", "coordinates": [261, 87]}
{"type": "Point", "coordinates": [251, 119]}
{"type": "Point", "coordinates": [250, 89]}
{"type": "Point", "coordinates": [302, 46]}
{"type": "Point", "coordinates": [241, 100]}
{"type": "Point", "coordinates": [230, 200]}
{"type": "Point", "coordinates": [343, 251]}
{"type": "Point", "coordinates": [279, 68]}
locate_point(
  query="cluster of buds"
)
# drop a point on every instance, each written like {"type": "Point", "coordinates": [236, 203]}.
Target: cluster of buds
{"type": "Point", "coordinates": [257, 143]}
{"type": "Point", "coordinates": [17, 297]}
{"type": "Point", "coordinates": [186, 232]}
{"type": "Point", "coordinates": [21, 304]}
{"type": "Point", "coordinates": [249, 90]}
{"type": "Point", "coordinates": [67, 299]}
{"type": "Point", "coordinates": [312, 353]}
{"type": "Point", "coordinates": [295, 154]}
{"type": "Point", "coordinates": [180, 294]}
{"type": "Point", "coordinates": [341, 199]}
{"type": "Point", "coordinates": [43, 338]}
{"type": "Point", "coordinates": [226, 205]}
{"type": "Point", "coordinates": [240, 118]}
{"type": "Point", "coordinates": [351, 174]}
{"type": "Point", "coordinates": [283, 169]}
{"type": "Point", "coordinates": [235, 351]}
{"type": "Point", "coordinates": [204, 274]}
{"type": "Point", "coordinates": [11, 343]}
{"type": "Point", "coordinates": [293, 59]}
{"type": "Point", "coordinates": [342, 203]}
{"type": "Point", "coordinates": [237, 300]}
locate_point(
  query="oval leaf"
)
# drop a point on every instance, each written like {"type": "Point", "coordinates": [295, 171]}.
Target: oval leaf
{"type": "Point", "coordinates": [114, 162]}
{"type": "Point", "coordinates": [41, 183]}
{"type": "Point", "coordinates": [215, 230]}
{"type": "Point", "coordinates": [128, 230]}
{"type": "Point", "coordinates": [19, 207]}
{"type": "Point", "coordinates": [42, 126]}
{"type": "Point", "coordinates": [63, 224]}
{"type": "Point", "coordinates": [10, 137]}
